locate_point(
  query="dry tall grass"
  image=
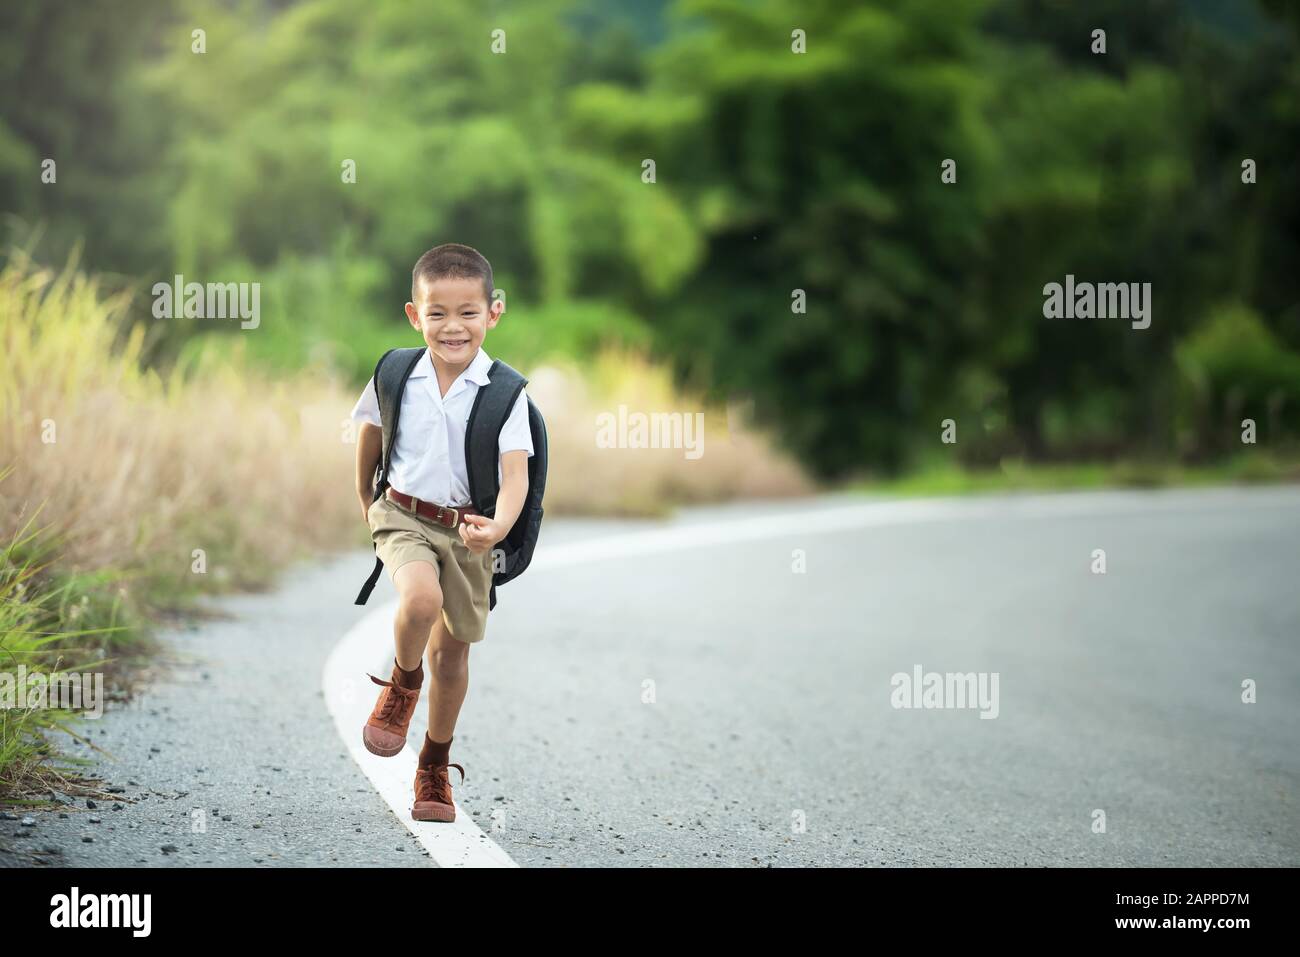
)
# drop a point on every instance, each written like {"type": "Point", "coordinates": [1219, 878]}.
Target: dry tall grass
{"type": "Point", "coordinates": [584, 478]}
{"type": "Point", "coordinates": [133, 471]}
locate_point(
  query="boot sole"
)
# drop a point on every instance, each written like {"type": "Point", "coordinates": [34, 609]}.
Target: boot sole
{"type": "Point", "coordinates": [433, 814]}
{"type": "Point", "coordinates": [381, 752]}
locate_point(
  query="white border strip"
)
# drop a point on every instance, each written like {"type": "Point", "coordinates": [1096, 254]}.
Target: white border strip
{"type": "Point", "coordinates": [774, 524]}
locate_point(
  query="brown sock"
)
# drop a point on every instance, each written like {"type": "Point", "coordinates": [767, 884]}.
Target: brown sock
{"type": "Point", "coordinates": [410, 680]}
{"type": "Point", "coordinates": [433, 752]}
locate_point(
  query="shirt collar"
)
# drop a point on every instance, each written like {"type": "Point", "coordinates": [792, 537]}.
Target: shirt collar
{"type": "Point", "coordinates": [476, 372]}
{"type": "Point", "coordinates": [478, 368]}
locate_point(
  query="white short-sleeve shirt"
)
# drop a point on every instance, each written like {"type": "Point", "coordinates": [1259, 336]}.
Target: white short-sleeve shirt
{"type": "Point", "coordinates": [428, 458]}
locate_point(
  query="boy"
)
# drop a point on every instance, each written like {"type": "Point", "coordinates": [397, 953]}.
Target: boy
{"type": "Point", "coordinates": [436, 548]}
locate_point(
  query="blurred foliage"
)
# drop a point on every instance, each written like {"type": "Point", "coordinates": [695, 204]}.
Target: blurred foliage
{"type": "Point", "coordinates": [1232, 368]}
{"type": "Point", "coordinates": [774, 172]}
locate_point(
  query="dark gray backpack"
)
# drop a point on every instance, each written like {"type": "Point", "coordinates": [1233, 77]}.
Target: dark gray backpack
{"type": "Point", "coordinates": [491, 408]}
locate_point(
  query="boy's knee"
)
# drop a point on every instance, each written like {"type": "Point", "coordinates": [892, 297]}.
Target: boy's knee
{"type": "Point", "coordinates": [423, 606]}
{"type": "Point", "coordinates": [447, 664]}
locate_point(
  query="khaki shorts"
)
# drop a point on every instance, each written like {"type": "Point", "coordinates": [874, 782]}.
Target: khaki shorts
{"type": "Point", "coordinates": [401, 536]}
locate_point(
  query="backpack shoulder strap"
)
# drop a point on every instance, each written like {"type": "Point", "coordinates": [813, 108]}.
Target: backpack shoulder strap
{"type": "Point", "coordinates": [491, 408]}
{"type": "Point", "coordinates": [391, 372]}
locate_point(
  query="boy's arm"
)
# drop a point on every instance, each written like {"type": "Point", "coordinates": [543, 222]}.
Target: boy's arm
{"type": "Point", "coordinates": [370, 441]}
{"type": "Point", "coordinates": [481, 533]}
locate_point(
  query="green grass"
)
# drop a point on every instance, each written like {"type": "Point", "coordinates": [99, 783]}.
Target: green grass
{"type": "Point", "coordinates": [51, 624]}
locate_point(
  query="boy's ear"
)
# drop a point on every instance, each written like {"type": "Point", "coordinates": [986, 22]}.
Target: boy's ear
{"type": "Point", "coordinates": [494, 312]}
{"type": "Point", "coordinates": [413, 315]}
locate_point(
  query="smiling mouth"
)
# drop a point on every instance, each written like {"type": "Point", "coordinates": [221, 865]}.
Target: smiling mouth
{"type": "Point", "coordinates": [453, 343]}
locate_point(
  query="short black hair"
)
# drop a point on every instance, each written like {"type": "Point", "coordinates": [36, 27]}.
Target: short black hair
{"type": "Point", "coordinates": [452, 261]}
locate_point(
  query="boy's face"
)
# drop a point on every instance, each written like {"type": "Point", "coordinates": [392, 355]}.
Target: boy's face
{"type": "Point", "coordinates": [453, 315]}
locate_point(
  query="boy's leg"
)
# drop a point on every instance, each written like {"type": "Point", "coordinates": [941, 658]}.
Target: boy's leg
{"type": "Point", "coordinates": [465, 580]}
{"type": "Point", "coordinates": [449, 673]}
{"type": "Point", "coordinates": [419, 607]}
{"type": "Point", "coordinates": [449, 681]}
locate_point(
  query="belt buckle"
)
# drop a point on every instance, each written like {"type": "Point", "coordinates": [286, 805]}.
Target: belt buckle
{"type": "Point", "coordinates": [455, 516]}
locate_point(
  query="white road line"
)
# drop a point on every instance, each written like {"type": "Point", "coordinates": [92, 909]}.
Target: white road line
{"type": "Point", "coordinates": [462, 843]}
{"type": "Point", "coordinates": [687, 535]}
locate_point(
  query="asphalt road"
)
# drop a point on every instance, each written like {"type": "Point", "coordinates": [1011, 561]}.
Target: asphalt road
{"type": "Point", "coordinates": [705, 701]}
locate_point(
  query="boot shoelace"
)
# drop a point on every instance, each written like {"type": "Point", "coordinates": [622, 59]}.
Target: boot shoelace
{"type": "Point", "coordinates": [434, 784]}
{"type": "Point", "coordinates": [400, 695]}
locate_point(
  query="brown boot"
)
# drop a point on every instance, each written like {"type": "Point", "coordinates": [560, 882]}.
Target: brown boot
{"type": "Point", "coordinates": [385, 730]}
{"type": "Point", "coordinates": [433, 793]}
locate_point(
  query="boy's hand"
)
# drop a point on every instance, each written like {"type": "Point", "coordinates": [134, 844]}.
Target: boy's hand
{"type": "Point", "coordinates": [480, 533]}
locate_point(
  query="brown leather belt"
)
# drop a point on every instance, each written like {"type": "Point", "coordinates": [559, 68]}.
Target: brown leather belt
{"type": "Point", "coordinates": [445, 515]}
